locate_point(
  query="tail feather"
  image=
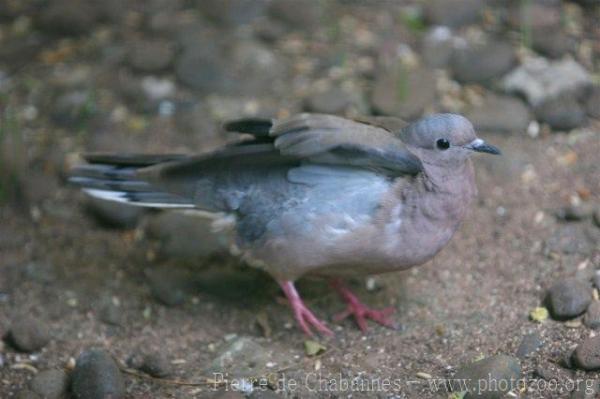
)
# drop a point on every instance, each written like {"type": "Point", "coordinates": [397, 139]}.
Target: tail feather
{"type": "Point", "coordinates": [119, 183]}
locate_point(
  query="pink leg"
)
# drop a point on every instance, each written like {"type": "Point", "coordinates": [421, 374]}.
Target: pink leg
{"type": "Point", "coordinates": [359, 310]}
{"type": "Point", "coordinates": [303, 315]}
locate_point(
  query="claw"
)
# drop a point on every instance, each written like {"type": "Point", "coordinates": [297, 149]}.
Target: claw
{"type": "Point", "coordinates": [360, 311]}
{"type": "Point", "coordinates": [302, 314]}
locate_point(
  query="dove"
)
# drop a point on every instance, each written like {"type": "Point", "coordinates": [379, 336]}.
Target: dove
{"type": "Point", "coordinates": [315, 194]}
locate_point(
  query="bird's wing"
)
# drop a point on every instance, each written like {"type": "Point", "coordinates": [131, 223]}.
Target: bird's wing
{"type": "Point", "coordinates": [367, 142]}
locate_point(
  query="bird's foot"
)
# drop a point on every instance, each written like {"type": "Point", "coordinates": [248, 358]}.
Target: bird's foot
{"type": "Point", "coordinates": [302, 314]}
{"type": "Point", "coordinates": [359, 310]}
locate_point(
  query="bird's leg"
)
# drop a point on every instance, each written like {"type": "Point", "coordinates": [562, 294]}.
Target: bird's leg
{"type": "Point", "coordinates": [303, 315]}
{"type": "Point", "coordinates": [359, 310]}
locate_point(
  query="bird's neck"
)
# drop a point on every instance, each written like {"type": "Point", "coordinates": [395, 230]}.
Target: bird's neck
{"type": "Point", "coordinates": [458, 180]}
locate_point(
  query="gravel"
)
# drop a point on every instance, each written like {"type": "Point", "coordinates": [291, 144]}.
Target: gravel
{"type": "Point", "coordinates": [50, 384]}
{"type": "Point", "coordinates": [28, 334]}
{"type": "Point", "coordinates": [587, 354]}
{"type": "Point", "coordinates": [499, 367]}
{"type": "Point", "coordinates": [569, 298]}
{"type": "Point", "coordinates": [97, 376]}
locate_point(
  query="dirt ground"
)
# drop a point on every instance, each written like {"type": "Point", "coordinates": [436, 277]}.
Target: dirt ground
{"type": "Point", "coordinates": [61, 266]}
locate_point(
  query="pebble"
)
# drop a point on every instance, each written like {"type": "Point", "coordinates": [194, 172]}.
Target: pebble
{"type": "Point", "coordinates": [571, 239]}
{"type": "Point", "coordinates": [68, 17]}
{"type": "Point", "coordinates": [561, 113]}
{"type": "Point", "coordinates": [155, 365]}
{"type": "Point", "coordinates": [168, 287]}
{"type": "Point", "coordinates": [334, 101]}
{"type": "Point", "coordinates": [592, 104]}
{"type": "Point", "coordinates": [490, 115]}
{"type": "Point", "coordinates": [297, 14]}
{"type": "Point", "coordinates": [453, 13]}
{"type": "Point", "coordinates": [151, 56]}
{"type": "Point", "coordinates": [29, 334]}
{"type": "Point", "coordinates": [203, 70]}
{"type": "Point", "coordinates": [479, 63]}
{"type": "Point", "coordinates": [437, 47]}
{"type": "Point", "coordinates": [596, 217]}
{"type": "Point", "coordinates": [592, 315]}
{"type": "Point", "coordinates": [575, 212]}
{"type": "Point", "coordinates": [499, 367]}
{"type": "Point", "coordinates": [97, 376]}
{"type": "Point", "coordinates": [404, 93]}
{"type": "Point", "coordinates": [529, 344]}
{"type": "Point", "coordinates": [50, 384]}
{"type": "Point", "coordinates": [587, 354]}
{"type": "Point", "coordinates": [540, 80]}
{"type": "Point", "coordinates": [569, 298]}
{"type": "Point", "coordinates": [243, 357]}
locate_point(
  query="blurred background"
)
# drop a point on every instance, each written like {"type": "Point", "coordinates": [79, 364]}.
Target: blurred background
{"type": "Point", "coordinates": [162, 75]}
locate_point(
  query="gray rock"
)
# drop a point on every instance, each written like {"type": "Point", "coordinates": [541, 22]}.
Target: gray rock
{"type": "Point", "coordinates": [499, 368]}
{"type": "Point", "coordinates": [572, 239]}
{"type": "Point", "coordinates": [596, 218]}
{"type": "Point", "coordinates": [109, 312]}
{"type": "Point", "coordinates": [404, 93]}
{"type": "Point", "coordinates": [592, 104]}
{"type": "Point", "coordinates": [548, 371]}
{"type": "Point", "coordinates": [575, 213]}
{"type": "Point", "coordinates": [540, 80]}
{"type": "Point", "coordinates": [255, 68]}
{"type": "Point", "coordinates": [453, 13]}
{"type": "Point", "coordinates": [97, 376]}
{"type": "Point", "coordinates": [491, 115]}
{"type": "Point", "coordinates": [596, 279]}
{"type": "Point", "coordinates": [551, 42]}
{"type": "Point", "coordinates": [204, 71]}
{"type": "Point", "coordinates": [334, 101]}
{"type": "Point", "coordinates": [28, 334]}
{"type": "Point", "coordinates": [151, 56]}
{"type": "Point", "coordinates": [561, 113]}
{"type": "Point", "coordinates": [233, 12]}
{"type": "Point", "coordinates": [170, 287]}
{"type": "Point", "coordinates": [529, 344]}
{"type": "Point", "coordinates": [68, 17]}
{"type": "Point", "coordinates": [156, 365]}
{"type": "Point", "coordinates": [569, 298]}
{"type": "Point", "coordinates": [50, 384]}
{"type": "Point", "coordinates": [114, 214]}
{"type": "Point", "coordinates": [587, 354]}
{"type": "Point", "coordinates": [437, 47]}
{"type": "Point", "coordinates": [479, 63]}
{"type": "Point", "coordinates": [592, 316]}
{"type": "Point", "coordinates": [298, 14]}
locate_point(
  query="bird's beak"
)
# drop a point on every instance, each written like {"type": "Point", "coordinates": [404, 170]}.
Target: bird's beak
{"type": "Point", "coordinates": [481, 146]}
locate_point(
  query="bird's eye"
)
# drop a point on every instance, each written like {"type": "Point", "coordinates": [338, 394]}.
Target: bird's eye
{"type": "Point", "coordinates": [442, 144]}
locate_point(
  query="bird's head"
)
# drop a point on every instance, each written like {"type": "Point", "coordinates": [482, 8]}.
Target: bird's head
{"type": "Point", "coordinates": [444, 140]}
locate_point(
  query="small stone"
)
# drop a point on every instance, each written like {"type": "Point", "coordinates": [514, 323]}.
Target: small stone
{"type": "Point", "coordinates": [571, 239]}
{"type": "Point", "coordinates": [28, 334]}
{"type": "Point", "coordinates": [587, 354]}
{"type": "Point", "coordinates": [569, 298]}
{"type": "Point", "coordinates": [596, 218]}
{"type": "Point", "coordinates": [68, 17]}
{"type": "Point", "coordinates": [481, 63]}
{"type": "Point", "coordinates": [97, 376]}
{"type": "Point", "coordinates": [169, 287]}
{"type": "Point", "coordinates": [203, 70]}
{"type": "Point", "coordinates": [334, 101]}
{"type": "Point", "coordinates": [313, 348]}
{"type": "Point", "coordinates": [404, 93]}
{"type": "Point", "coordinates": [592, 316]}
{"type": "Point", "coordinates": [453, 13]}
{"type": "Point", "coordinates": [592, 104]}
{"type": "Point", "coordinates": [575, 212]}
{"type": "Point", "coordinates": [540, 80]}
{"type": "Point", "coordinates": [437, 47]}
{"type": "Point", "coordinates": [490, 115]}
{"type": "Point", "coordinates": [551, 42]}
{"type": "Point", "coordinates": [264, 394]}
{"type": "Point", "coordinates": [110, 313]}
{"type": "Point", "coordinates": [300, 14]}
{"type": "Point", "coordinates": [151, 56]}
{"type": "Point", "coordinates": [50, 384]}
{"type": "Point", "coordinates": [561, 113]}
{"type": "Point", "coordinates": [529, 344]}
{"type": "Point", "coordinates": [499, 368]}
{"type": "Point", "coordinates": [156, 365]}
{"type": "Point", "coordinates": [243, 357]}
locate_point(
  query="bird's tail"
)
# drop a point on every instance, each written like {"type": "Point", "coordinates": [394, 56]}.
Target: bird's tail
{"type": "Point", "coordinates": [115, 178]}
